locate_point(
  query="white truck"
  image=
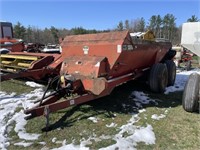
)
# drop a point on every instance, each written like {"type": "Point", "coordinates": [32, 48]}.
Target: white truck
{"type": "Point", "coordinates": [190, 39]}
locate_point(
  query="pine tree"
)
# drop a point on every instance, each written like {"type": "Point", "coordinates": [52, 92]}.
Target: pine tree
{"type": "Point", "coordinates": [19, 31]}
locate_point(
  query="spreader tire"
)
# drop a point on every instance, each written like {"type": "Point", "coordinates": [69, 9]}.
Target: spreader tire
{"type": "Point", "coordinates": [158, 78]}
{"type": "Point", "coordinates": [191, 93]}
{"type": "Point", "coordinates": [188, 65]}
{"type": "Point", "coordinates": [171, 68]}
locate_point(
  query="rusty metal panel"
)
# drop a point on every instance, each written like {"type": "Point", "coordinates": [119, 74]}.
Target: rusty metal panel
{"type": "Point", "coordinates": [100, 44]}
{"type": "Point", "coordinates": [140, 57]}
{"type": "Point", "coordinates": [79, 66]}
{"type": "Point", "coordinates": [108, 51]}
{"type": "Point", "coordinates": [99, 38]}
{"type": "Point", "coordinates": [88, 69]}
{"type": "Point", "coordinates": [96, 86]}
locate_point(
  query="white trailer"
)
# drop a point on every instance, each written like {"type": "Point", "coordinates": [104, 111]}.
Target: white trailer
{"type": "Point", "coordinates": [190, 39]}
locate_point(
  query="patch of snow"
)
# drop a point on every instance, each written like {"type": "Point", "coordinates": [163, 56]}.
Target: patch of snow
{"type": "Point", "coordinates": [144, 134]}
{"type": "Point", "coordinates": [72, 147]}
{"type": "Point", "coordinates": [24, 144]}
{"type": "Point", "coordinates": [166, 111]}
{"type": "Point", "coordinates": [181, 79]}
{"type": "Point", "coordinates": [64, 142]}
{"type": "Point", "coordinates": [59, 142]}
{"type": "Point", "coordinates": [19, 127]}
{"type": "Point", "coordinates": [87, 142]}
{"type": "Point", "coordinates": [142, 110]}
{"type": "Point", "coordinates": [105, 137]}
{"type": "Point", "coordinates": [42, 143]}
{"type": "Point", "coordinates": [135, 134]}
{"type": "Point", "coordinates": [158, 117]}
{"type": "Point", "coordinates": [33, 84]}
{"type": "Point", "coordinates": [93, 119]}
{"type": "Point", "coordinates": [36, 95]}
{"type": "Point", "coordinates": [54, 139]}
{"type": "Point", "coordinates": [142, 97]}
{"type": "Point", "coordinates": [9, 117]}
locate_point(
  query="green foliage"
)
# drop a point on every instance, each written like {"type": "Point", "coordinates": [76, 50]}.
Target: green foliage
{"type": "Point", "coordinates": [193, 19]}
{"type": "Point", "coordinates": [141, 25]}
{"type": "Point", "coordinates": [29, 33]}
{"type": "Point", "coordinates": [81, 30]}
{"type": "Point", "coordinates": [163, 27]}
{"type": "Point", "coordinates": [127, 26]}
{"type": "Point", "coordinates": [19, 31]}
{"type": "Point", "coordinates": [120, 26]}
{"type": "Point", "coordinates": [155, 24]}
{"type": "Point", "coordinates": [54, 33]}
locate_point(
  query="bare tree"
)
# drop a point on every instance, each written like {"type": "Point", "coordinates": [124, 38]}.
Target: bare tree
{"type": "Point", "coordinates": [137, 25]}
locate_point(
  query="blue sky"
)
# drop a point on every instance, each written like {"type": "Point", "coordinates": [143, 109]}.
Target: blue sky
{"type": "Point", "coordinates": [99, 14]}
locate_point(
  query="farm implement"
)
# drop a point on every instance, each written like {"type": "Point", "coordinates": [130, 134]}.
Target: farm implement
{"type": "Point", "coordinates": [94, 64]}
{"type": "Point", "coordinates": [190, 40]}
{"type": "Point", "coordinates": [15, 62]}
{"type": "Point", "coordinates": [36, 66]}
{"type": "Point", "coordinates": [7, 41]}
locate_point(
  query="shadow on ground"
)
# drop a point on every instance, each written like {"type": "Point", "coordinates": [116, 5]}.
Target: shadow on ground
{"type": "Point", "coordinates": [121, 100]}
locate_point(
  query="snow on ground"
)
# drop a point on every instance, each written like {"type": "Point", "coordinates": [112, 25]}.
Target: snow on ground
{"type": "Point", "coordinates": [33, 84]}
{"type": "Point", "coordinates": [93, 119]}
{"type": "Point", "coordinates": [111, 125]}
{"type": "Point", "coordinates": [180, 81]}
{"type": "Point", "coordinates": [23, 143]}
{"type": "Point", "coordinates": [158, 117]}
{"type": "Point", "coordinates": [140, 99]}
{"type": "Point", "coordinates": [135, 134]}
{"type": "Point", "coordinates": [12, 119]}
{"type": "Point", "coordinates": [72, 147]}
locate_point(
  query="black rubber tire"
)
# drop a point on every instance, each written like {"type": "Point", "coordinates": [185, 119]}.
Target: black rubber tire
{"type": "Point", "coordinates": [171, 68]}
{"type": "Point", "coordinates": [188, 65]}
{"type": "Point", "coordinates": [191, 93]}
{"type": "Point", "coordinates": [158, 78]}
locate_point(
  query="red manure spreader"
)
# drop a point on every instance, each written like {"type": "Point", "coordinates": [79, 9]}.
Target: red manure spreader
{"type": "Point", "coordinates": [92, 65]}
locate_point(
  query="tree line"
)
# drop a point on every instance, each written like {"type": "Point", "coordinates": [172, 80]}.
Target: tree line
{"type": "Point", "coordinates": [163, 27]}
